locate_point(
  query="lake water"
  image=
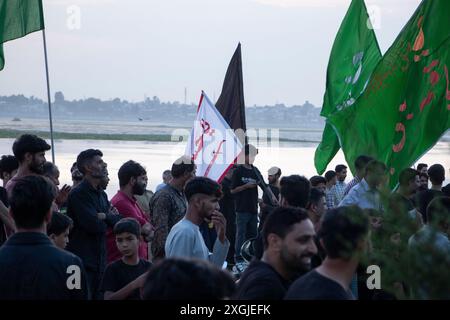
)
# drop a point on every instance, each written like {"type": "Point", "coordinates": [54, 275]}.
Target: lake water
{"type": "Point", "coordinates": [294, 158]}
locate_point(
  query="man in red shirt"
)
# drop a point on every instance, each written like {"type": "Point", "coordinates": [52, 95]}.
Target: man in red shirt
{"type": "Point", "coordinates": [132, 181]}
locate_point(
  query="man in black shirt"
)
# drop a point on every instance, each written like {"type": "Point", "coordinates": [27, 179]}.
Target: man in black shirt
{"type": "Point", "coordinates": [343, 235]}
{"type": "Point", "coordinates": [8, 168]}
{"type": "Point", "coordinates": [31, 267]}
{"type": "Point", "coordinates": [436, 174]}
{"type": "Point", "coordinates": [295, 191]}
{"type": "Point", "coordinates": [228, 208]}
{"type": "Point", "coordinates": [423, 181]}
{"type": "Point", "coordinates": [89, 208]}
{"type": "Point", "coordinates": [124, 277]}
{"type": "Point", "coordinates": [446, 190]}
{"type": "Point", "coordinates": [288, 237]}
{"type": "Point", "coordinates": [244, 185]}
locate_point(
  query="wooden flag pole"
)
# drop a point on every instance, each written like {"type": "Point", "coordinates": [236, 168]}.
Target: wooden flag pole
{"type": "Point", "coordinates": [48, 97]}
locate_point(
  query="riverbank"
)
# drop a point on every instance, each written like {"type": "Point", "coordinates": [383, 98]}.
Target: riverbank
{"type": "Point", "coordinates": [12, 134]}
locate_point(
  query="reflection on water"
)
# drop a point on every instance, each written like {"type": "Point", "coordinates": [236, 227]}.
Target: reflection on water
{"type": "Point", "coordinates": [157, 157]}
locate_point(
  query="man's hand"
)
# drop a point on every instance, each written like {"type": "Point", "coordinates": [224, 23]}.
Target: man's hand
{"type": "Point", "coordinates": [101, 215]}
{"type": "Point", "coordinates": [250, 185]}
{"type": "Point", "coordinates": [262, 205]}
{"type": "Point", "coordinates": [148, 232]}
{"type": "Point", "coordinates": [220, 224]}
{"type": "Point", "coordinates": [62, 196]}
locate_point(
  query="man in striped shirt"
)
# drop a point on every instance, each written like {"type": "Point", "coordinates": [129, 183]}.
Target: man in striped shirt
{"type": "Point", "coordinates": [338, 190]}
{"type": "Point", "coordinates": [330, 176]}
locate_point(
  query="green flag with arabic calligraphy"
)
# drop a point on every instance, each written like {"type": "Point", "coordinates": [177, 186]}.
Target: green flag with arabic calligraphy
{"type": "Point", "coordinates": [405, 108]}
{"type": "Point", "coordinates": [17, 19]}
{"type": "Point", "coordinates": [354, 56]}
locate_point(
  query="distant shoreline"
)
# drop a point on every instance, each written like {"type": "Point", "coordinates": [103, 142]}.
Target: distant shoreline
{"type": "Point", "coordinates": [12, 134]}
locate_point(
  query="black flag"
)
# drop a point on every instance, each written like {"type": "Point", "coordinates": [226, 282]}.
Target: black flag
{"type": "Point", "coordinates": [231, 101]}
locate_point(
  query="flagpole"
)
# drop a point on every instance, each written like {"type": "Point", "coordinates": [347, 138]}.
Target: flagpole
{"type": "Point", "coordinates": [48, 97]}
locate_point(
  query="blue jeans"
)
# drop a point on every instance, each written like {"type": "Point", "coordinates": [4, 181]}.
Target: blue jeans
{"type": "Point", "coordinates": [246, 228]}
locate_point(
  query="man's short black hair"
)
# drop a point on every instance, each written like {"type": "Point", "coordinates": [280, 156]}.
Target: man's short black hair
{"type": "Point", "coordinates": [29, 143]}
{"type": "Point", "coordinates": [329, 175]}
{"type": "Point", "coordinates": [181, 166]}
{"type": "Point", "coordinates": [281, 221]}
{"type": "Point", "coordinates": [295, 190]}
{"type": "Point", "coordinates": [86, 157]}
{"type": "Point", "coordinates": [129, 225]}
{"type": "Point", "coordinates": [202, 185]}
{"type": "Point", "coordinates": [74, 166]}
{"type": "Point", "coordinates": [130, 169]}
{"type": "Point", "coordinates": [342, 228]}
{"type": "Point", "coordinates": [362, 161]}
{"type": "Point", "coordinates": [316, 180]}
{"type": "Point", "coordinates": [420, 166]}
{"type": "Point", "coordinates": [406, 175]}
{"type": "Point", "coordinates": [8, 164]}
{"type": "Point", "coordinates": [30, 201]}
{"type": "Point", "coordinates": [438, 210]}
{"type": "Point", "coordinates": [315, 196]}
{"type": "Point", "coordinates": [59, 224]}
{"type": "Point", "coordinates": [339, 168]}
{"type": "Point", "coordinates": [187, 279]}
{"type": "Point", "coordinates": [437, 174]}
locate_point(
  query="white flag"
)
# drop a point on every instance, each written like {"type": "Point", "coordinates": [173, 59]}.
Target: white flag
{"type": "Point", "coordinates": [212, 144]}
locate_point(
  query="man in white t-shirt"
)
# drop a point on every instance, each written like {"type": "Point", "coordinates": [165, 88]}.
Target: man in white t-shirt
{"type": "Point", "coordinates": [185, 239]}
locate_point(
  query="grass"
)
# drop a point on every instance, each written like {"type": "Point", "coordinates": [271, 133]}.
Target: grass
{"type": "Point", "coordinates": [8, 133]}
{"type": "Point", "coordinates": [12, 134]}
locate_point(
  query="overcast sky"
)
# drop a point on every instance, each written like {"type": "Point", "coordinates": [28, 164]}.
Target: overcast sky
{"type": "Point", "coordinates": [135, 48]}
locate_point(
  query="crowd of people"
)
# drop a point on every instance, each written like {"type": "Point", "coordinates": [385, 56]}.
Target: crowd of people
{"type": "Point", "coordinates": [195, 238]}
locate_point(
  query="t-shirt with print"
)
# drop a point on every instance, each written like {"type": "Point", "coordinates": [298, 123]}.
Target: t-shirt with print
{"type": "Point", "coordinates": [246, 200]}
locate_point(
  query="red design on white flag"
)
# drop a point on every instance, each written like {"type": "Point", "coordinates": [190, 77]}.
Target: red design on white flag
{"type": "Point", "coordinates": [212, 144]}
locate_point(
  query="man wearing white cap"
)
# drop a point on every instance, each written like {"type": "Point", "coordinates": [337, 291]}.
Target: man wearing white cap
{"type": "Point", "coordinates": [266, 204]}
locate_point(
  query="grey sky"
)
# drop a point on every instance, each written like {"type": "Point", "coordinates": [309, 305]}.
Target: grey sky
{"type": "Point", "coordinates": [132, 48]}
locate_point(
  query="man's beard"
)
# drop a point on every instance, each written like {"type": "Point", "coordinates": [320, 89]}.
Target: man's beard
{"type": "Point", "coordinates": [422, 188]}
{"type": "Point", "coordinates": [139, 189]}
{"type": "Point", "coordinates": [36, 168]}
{"type": "Point", "coordinates": [295, 265]}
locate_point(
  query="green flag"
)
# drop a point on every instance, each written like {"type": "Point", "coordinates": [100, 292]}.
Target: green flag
{"type": "Point", "coordinates": [354, 55]}
{"type": "Point", "coordinates": [406, 107]}
{"type": "Point", "coordinates": [17, 19]}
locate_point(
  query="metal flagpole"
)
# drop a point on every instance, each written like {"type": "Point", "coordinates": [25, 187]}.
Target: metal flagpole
{"type": "Point", "coordinates": [48, 97]}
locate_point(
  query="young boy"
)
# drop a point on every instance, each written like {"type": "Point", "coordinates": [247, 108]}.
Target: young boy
{"type": "Point", "coordinates": [124, 278]}
{"type": "Point", "coordinates": [59, 228]}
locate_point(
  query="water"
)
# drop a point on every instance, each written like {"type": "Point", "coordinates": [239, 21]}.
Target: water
{"type": "Point", "coordinates": [143, 127]}
{"type": "Point", "coordinates": [292, 158]}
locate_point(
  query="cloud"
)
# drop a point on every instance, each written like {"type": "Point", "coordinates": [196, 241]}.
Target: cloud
{"type": "Point", "coordinates": [333, 3]}
{"type": "Point", "coordinates": [80, 2]}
